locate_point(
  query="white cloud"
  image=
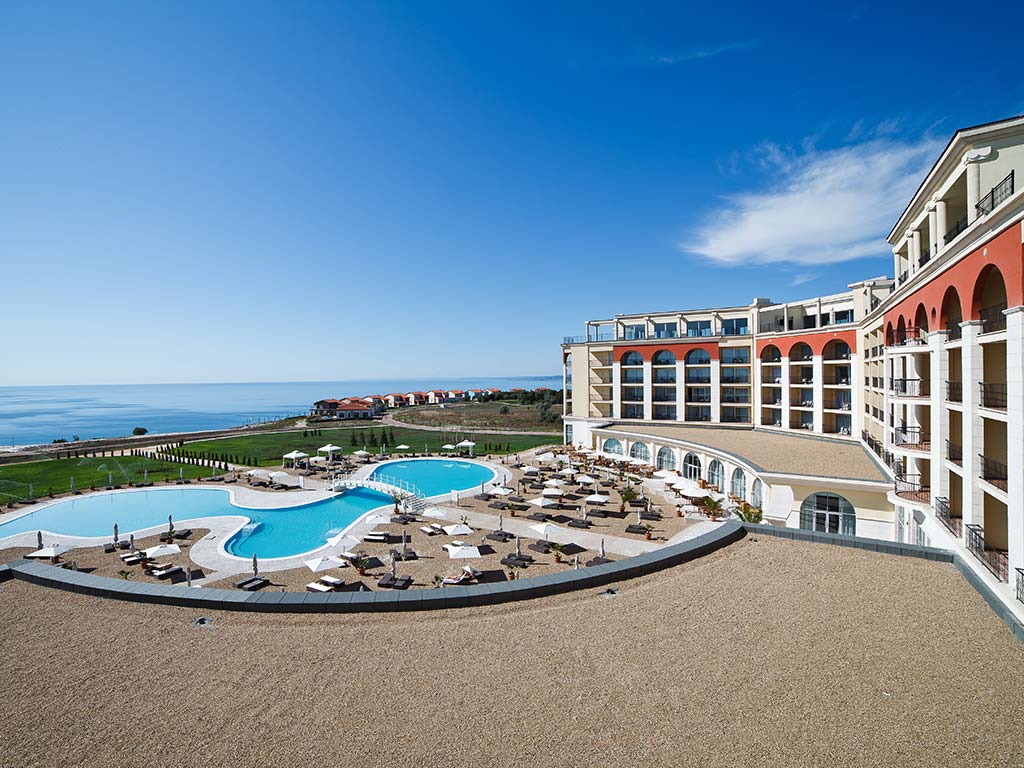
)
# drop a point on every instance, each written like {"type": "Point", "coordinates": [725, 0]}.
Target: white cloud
{"type": "Point", "coordinates": [703, 53]}
{"type": "Point", "coordinates": [825, 206]}
{"type": "Point", "coordinates": [803, 277]}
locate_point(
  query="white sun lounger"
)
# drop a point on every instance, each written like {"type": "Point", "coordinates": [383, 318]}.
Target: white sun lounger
{"type": "Point", "coordinates": [332, 581]}
{"type": "Point", "coordinates": [429, 530]}
{"type": "Point", "coordinates": [316, 586]}
{"type": "Point", "coordinates": [376, 536]}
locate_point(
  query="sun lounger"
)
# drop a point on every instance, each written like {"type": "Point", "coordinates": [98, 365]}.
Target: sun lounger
{"type": "Point", "coordinates": [166, 573]}
{"type": "Point", "coordinates": [540, 516]}
{"type": "Point", "coordinates": [502, 536]}
{"type": "Point", "coordinates": [539, 546]}
{"type": "Point", "coordinates": [395, 582]}
{"type": "Point", "coordinates": [515, 562]}
{"type": "Point", "coordinates": [578, 523]}
{"type": "Point", "coordinates": [332, 581]}
{"type": "Point", "coordinates": [634, 528]}
{"type": "Point", "coordinates": [380, 537]}
{"type": "Point", "coordinates": [437, 527]}
{"type": "Point", "coordinates": [597, 561]}
{"type": "Point", "coordinates": [429, 530]}
{"type": "Point", "coordinates": [406, 554]}
{"type": "Point", "coordinates": [316, 586]}
{"type": "Point", "coordinates": [184, 534]}
{"type": "Point", "coordinates": [108, 548]}
{"type": "Point", "coordinates": [252, 583]}
{"type": "Point", "coordinates": [132, 559]}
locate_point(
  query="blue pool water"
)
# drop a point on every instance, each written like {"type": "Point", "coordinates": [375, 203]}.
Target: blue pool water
{"type": "Point", "coordinates": [279, 532]}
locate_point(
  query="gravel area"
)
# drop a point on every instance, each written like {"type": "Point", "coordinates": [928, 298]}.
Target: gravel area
{"type": "Point", "coordinates": [768, 652]}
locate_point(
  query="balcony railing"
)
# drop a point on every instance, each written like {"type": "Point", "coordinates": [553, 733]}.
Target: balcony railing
{"type": "Point", "coordinates": [953, 330]}
{"type": "Point", "coordinates": [698, 398]}
{"type": "Point", "coordinates": [912, 487]}
{"type": "Point", "coordinates": [903, 277]}
{"type": "Point", "coordinates": [1020, 584]}
{"type": "Point", "coordinates": [691, 379]}
{"type": "Point", "coordinates": [740, 399]}
{"type": "Point", "coordinates": [993, 319]}
{"type": "Point", "coordinates": [574, 339]}
{"type": "Point", "coordinates": [994, 472]}
{"type": "Point", "coordinates": [910, 335]}
{"type": "Point", "coordinates": [664, 398]}
{"type": "Point", "coordinates": [993, 559]}
{"type": "Point", "coordinates": [912, 437]}
{"type": "Point", "coordinates": [664, 377]}
{"type": "Point", "coordinates": [955, 391]}
{"type": "Point", "coordinates": [954, 524]}
{"type": "Point", "coordinates": [959, 227]}
{"type": "Point", "coordinates": [910, 387]}
{"type": "Point", "coordinates": [993, 395]}
{"type": "Point", "coordinates": [926, 255]}
{"type": "Point", "coordinates": [999, 193]}
{"type": "Point", "coordinates": [955, 452]}
{"type": "Point", "coordinates": [771, 359]}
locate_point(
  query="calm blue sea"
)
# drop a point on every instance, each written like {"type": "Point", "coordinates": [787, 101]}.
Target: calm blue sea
{"type": "Point", "coordinates": [30, 415]}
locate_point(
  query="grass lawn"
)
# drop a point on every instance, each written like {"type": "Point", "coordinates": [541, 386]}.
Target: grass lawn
{"type": "Point", "coordinates": [56, 474]}
{"type": "Point", "coordinates": [269, 448]}
{"type": "Point", "coordinates": [482, 416]}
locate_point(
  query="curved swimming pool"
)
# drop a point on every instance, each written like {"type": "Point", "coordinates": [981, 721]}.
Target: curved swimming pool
{"type": "Point", "coordinates": [433, 477]}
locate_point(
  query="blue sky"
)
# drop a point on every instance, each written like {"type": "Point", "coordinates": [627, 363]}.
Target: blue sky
{"type": "Point", "coordinates": [284, 191]}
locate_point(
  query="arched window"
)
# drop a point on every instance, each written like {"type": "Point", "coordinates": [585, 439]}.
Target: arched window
{"type": "Point", "coordinates": [756, 494]}
{"type": "Point", "coordinates": [716, 474]}
{"type": "Point", "coordinates": [836, 350]}
{"type": "Point", "coordinates": [771, 354]}
{"type": "Point", "coordinates": [990, 300]}
{"type": "Point", "coordinates": [738, 486]}
{"type": "Point", "coordinates": [640, 451]}
{"type": "Point", "coordinates": [666, 458]}
{"type": "Point", "coordinates": [691, 466]}
{"type": "Point", "coordinates": [800, 351]}
{"type": "Point", "coordinates": [663, 357]}
{"type": "Point", "coordinates": [698, 357]}
{"type": "Point", "coordinates": [952, 314]}
{"type": "Point", "coordinates": [613, 446]}
{"type": "Point", "coordinates": [829, 513]}
{"type": "Point", "coordinates": [632, 358]}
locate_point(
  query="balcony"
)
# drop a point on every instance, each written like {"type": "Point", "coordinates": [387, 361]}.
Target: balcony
{"type": "Point", "coordinates": [959, 227]}
{"type": "Point", "coordinates": [667, 397]}
{"type": "Point", "coordinates": [955, 453]}
{"type": "Point", "coordinates": [664, 377]}
{"type": "Point", "coordinates": [1020, 584]}
{"type": "Point", "coordinates": [942, 514]}
{"type": "Point", "coordinates": [574, 339]}
{"type": "Point", "coordinates": [912, 488]}
{"type": "Point", "coordinates": [993, 319]}
{"type": "Point", "coordinates": [993, 395]}
{"type": "Point", "coordinates": [955, 391]}
{"type": "Point", "coordinates": [993, 559]}
{"type": "Point", "coordinates": [739, 399]}
{"type": "Point", "coordinates": [953, 330]}
{"type": "Point", "coordinates": [926, 256]}
{"type": "Point", "coordinates": [994, 472]}
{"type": "Point", "coordinates": [1000, 192]}
{"type": "Point", "coordinates": [909, 336]}
{"type": "Point", "coordinates": [698, 398]}
{"type": "Point", "coordinates": [909, 387]}
{"type": "Point", "coordinates": [735, 376]}
{"type": "Point", "coordinates": [912, 437]}
{"type": "Point", "coordinates": [692, 379]}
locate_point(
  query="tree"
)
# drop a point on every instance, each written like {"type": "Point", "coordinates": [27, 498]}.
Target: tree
{"type": "Point", "coordinates": [139, 431]}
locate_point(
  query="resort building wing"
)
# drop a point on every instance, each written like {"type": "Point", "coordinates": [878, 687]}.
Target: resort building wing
{"type": "Point", "coordinates": [894, 409]}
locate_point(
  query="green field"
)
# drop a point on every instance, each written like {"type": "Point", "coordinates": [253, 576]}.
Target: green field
{"type": "Point", "coordinates": [485, 416]}
{"type": "Point", "coordinates": [267, 449]}
{"type": "Point", "coordinates": [55, 474]}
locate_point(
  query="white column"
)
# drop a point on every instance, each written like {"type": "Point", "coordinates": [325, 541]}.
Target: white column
{"type": "Point", "coordinates": [819, 393]}
{"type": "Point", "coordinates": [940, 224]}
{"type": "Point", "coordinates": [973, 189]}
{"type": "Point", "coordinates": [915, 251]}
{"type": "Point", "coordinates": [680, 390]}
{"type": "Point", "coordinates": [939, 427]}
{"type": "Point", "coordinates": [785, 391]}
{"type": "Point", "coordinates": [857, 391]}
{"type": "Point", "coordinates": [616, 389]}
{"type": "Point", "coordinates": [648, 390]}
{"type": "Point", "coordinates": [1015, 437]}
{"type": "Point", "coordinates": [755, 400]}
{"type": "Point", "coordinates": [716, 394]}
{"type": "Point", "coordinates": [933, 228]}
{"type": "Point", "coordinates": [973, 435]}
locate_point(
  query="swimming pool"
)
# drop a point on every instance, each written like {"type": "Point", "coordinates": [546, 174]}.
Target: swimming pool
{"type": "Point", "coordinates": [270, 532]}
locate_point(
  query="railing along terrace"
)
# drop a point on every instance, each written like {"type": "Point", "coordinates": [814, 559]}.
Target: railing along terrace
{"type": "Point", "coordinates": [994, 472]}
{"type": "Point", "coordinates": [912, 487]}
{"type": "Point", "coordinates": [993, 559]}
{"type": "Point", "coordinates": [953, 330]}
{"type": "Point", "coordinates": [955, 452]}
{"type": "Point", "coordinates": [574, 339]}
{"type": "Point", "coordinates": [993, 319]}
{"type": "Point", "coordinates": [903, 277]}
{"type": "Point", "coordinates": [959, 227]}
{"type": "Point", "coordinates": [912, 437]}
{"type": "Point", "coordinates": [910, 387]}
{"type": "Point", "coordinates": [999, 193]}
{"type": "Point", "coordinates": [955, 391]}
{"type": "Point", "coordinates": [993, 395]}
{"type": "Point", "coordinates": [954, 524]}
{"type": "Point", "coordinates": [1020, 584]}
{"type": "Point", "coordinates": [901, 336]}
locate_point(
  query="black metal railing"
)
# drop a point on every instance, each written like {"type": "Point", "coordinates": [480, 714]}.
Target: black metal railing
{"type": "Point", "coordinates": [913, 487]}
{"type": "Point", "coordinates": [903, 277]}
{"type": "Point", "coordinates": [953, 330]}
{"type": "Point", "coordinates": [954, 524]}
{"type": "Point", "coordinates": [909, 335]}
{"type": "Point", "coordinates": [993, 559]}
{"type": "Point", "coordinates": [1020, 584]}
{"type": "Point", "coordinates": [910, 387]}
{"type": "Point", "coordinates": [912, 437]}
{"type": "Point", "coordinates": [994, 472]}
{"type": "Point", "coordinates": [993, 395]}
{"type": "Point", "coordinates": [698, 398]}
{"type": "Point", "coordinates": [926, 256]}
{"type": "Point", "coordinates": [999, 193]}
{"type": "Point", "coordinates": [959, 227]}
{"type": "Point", "coordinates": [955, 452]}
{"type": "Point", "coordinates": [663, 398]}
{"type": "Point", "coordinates": [993, 319]}
{"type": "Point", "coordinates": [955, 391]}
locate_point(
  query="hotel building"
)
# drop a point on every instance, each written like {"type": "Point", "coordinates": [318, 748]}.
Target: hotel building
{"type": "Point", "coordinates": [893, 410]}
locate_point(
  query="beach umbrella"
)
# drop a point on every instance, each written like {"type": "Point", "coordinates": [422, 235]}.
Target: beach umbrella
{"type": "Point", "coordinates": [255, 565]}
{"type": "Point", "coordinates": [405, 540]}
{"type": "Point", "coordinates": [459, 529]}
{"type": "Point", "coordinates": [541, 502]}
{"type": "Point", "coordinates": [597, 498]}
{"type": "Point", "coordinates": [602, 547]}
{"type": "Point", "coordinates": [568, 471]}
{"type": "Point", "coordinates": [258, 473]}
{"type": "Point", "coordinates": [465, 444]}
{"type": "Point", "coordinates": [361, 454]}
{"type": "Point", "coordinates": [584, 514]}
{"type": "Point", "coordinates": [115, 533]}
{"type": "Point", "coordinates": [531, 470]}
{"type": "Point", "coordinates": [39, 539]}
{"type": "Point", "coordinates": [145, 477]}
{"type": "Point", "coordinates": [377, 519]}
{"type": "Point", "coordinates": [554, 482]}
{"type": "Point", "coordinates": [448, 447]}
{"type": "Point", "coordinates": [544, 529]}
{"type": "Point", "coordinates": [324, 563]}
{"type": "Point", "coordinates": [639, 517]}
{"type": "Point", "coordinates": [391, 564]}
{"type": "Point", "coordinates": [131, 541]}
{"type": "Point", "coordinates": [162, 550]}
{"type": "Point", "coordinates": [553, 492]}
{"type": "Point", "coordinates": [462, 553]}
{"type": "Point", "coordinates": [329, 449]}
{"type": "Point", "coordinates": [546, 456]}
{"type": "Point", "coordinates": [664, 474]}
{"type": "Point", "coordinates": [576, 562]}
{"type": "Point", "coordinates": [585, 480]}
{"type": "Point", "coordinates": [343, 541]}
{"type": "Point", "coordinates": [188, 575]}
{"type": "Point", "coordinates": [181, 473]}
{"type": "Point", "coordinates": [72, 485]}
{"type": "Point", "coordinates": [170, 524]}
{"type": "Point", "coordinates": [519, 550]}
{"type": "Point", "coordinates": [54, 550]}
{"type": "Point", "coordinates": [501, 520]}
{"type": "Point", "coordinates": [434, 512]}
{"type": "Point", "coordinates": [279, 477]}
{"type": "Point", "coordinates": [402, 447]}
{"type": "Point", "coordinates": [110, 478]}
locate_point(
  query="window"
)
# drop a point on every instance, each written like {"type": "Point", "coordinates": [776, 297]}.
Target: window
{"type": "Point", "coordinates": [735, 375]}
{"type": "Point", "coordinates": [716, 474]}
{"type": "Point", "coordinates": [698, 327]}
{"type": "Point", "coordinates": [632, 411]}
{"type": "Point", "coordinates": [568, 434]}
{"type": "Point", "coordinates": [698, 357]}
{"type": "Point", "coordinates": [698, 413]}
{"type": "Point", "coordinates": [632, 358]}
{"type": "Point", "coordinates": [633, 393]}
{"type": "Point", "coordinates": [735, 327]}
{"type": "Point", "coordinates": [698, 377]}
{"type": "Point", "coordinates": [633, 376]}
{"type": "Point", "coordinates": [828, 513]}
{"type": "Point", "coordinates": [735, 395]}
{"type": "Point", "coordinates": [666, 458]}
{"type": "Point", "coordinates": [640, 451]}
{"type": "Point", "coordinates": [665, 376]}
{"type": "Point", "coordinates": [612, 446]}
{"type": "Point", "coordinates": [733, 415]}
{"type": "Point", "coordinates": [665, 412]}
{"type": "Point", "coordinates": [698, 394]}
{"type": "Point", "coordinates": [665, 331]}
{"type": "Point", "coordinates": [738, 486]}
{"type": "Point", "coordinates": [756, 494]}
{"type": "Point", "coordinates": [663, 357]}
{"type": "Point", "coordinates": [691, 466]}
{"type": "Point", "coordinates": [844, 316]}
{"type": "Point", "coordinates": [736, 356]}
{"type": "Point", "coordinates": [633, 332]}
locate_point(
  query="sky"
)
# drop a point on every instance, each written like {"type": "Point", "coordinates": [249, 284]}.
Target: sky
{"type": "Point", "coordinates": [254, 191]}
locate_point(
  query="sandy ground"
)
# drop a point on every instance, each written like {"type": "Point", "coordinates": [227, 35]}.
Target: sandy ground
{"type": "Point", "coordinates": [766, 653]}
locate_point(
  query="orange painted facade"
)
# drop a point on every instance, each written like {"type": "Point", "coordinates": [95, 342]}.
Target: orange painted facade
{"type": "Point", "coordinates": [680, 350]}
{"type": "Point", "coordinates": [816, 340]}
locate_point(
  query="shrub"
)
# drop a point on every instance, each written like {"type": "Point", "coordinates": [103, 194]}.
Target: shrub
{"type": "Point", "coordinates": [140, 431]}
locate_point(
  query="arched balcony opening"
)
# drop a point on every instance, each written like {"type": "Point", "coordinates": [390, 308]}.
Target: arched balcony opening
{"type": "Point", "coordinates": [692, 467]}
{"type": "Point", "coordinates": [666, 458]}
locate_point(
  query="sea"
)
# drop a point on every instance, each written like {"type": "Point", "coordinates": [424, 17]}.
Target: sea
{"type": "Point", "coordinates": [35, 415]}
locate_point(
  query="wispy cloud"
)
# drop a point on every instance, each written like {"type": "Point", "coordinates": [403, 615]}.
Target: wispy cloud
{"type": "Point", "coordinates": [823, 206]}
{"type": "Point", "coordinates": [702, 53]}
{"type": "Point", "coordinates": [803, 277]}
